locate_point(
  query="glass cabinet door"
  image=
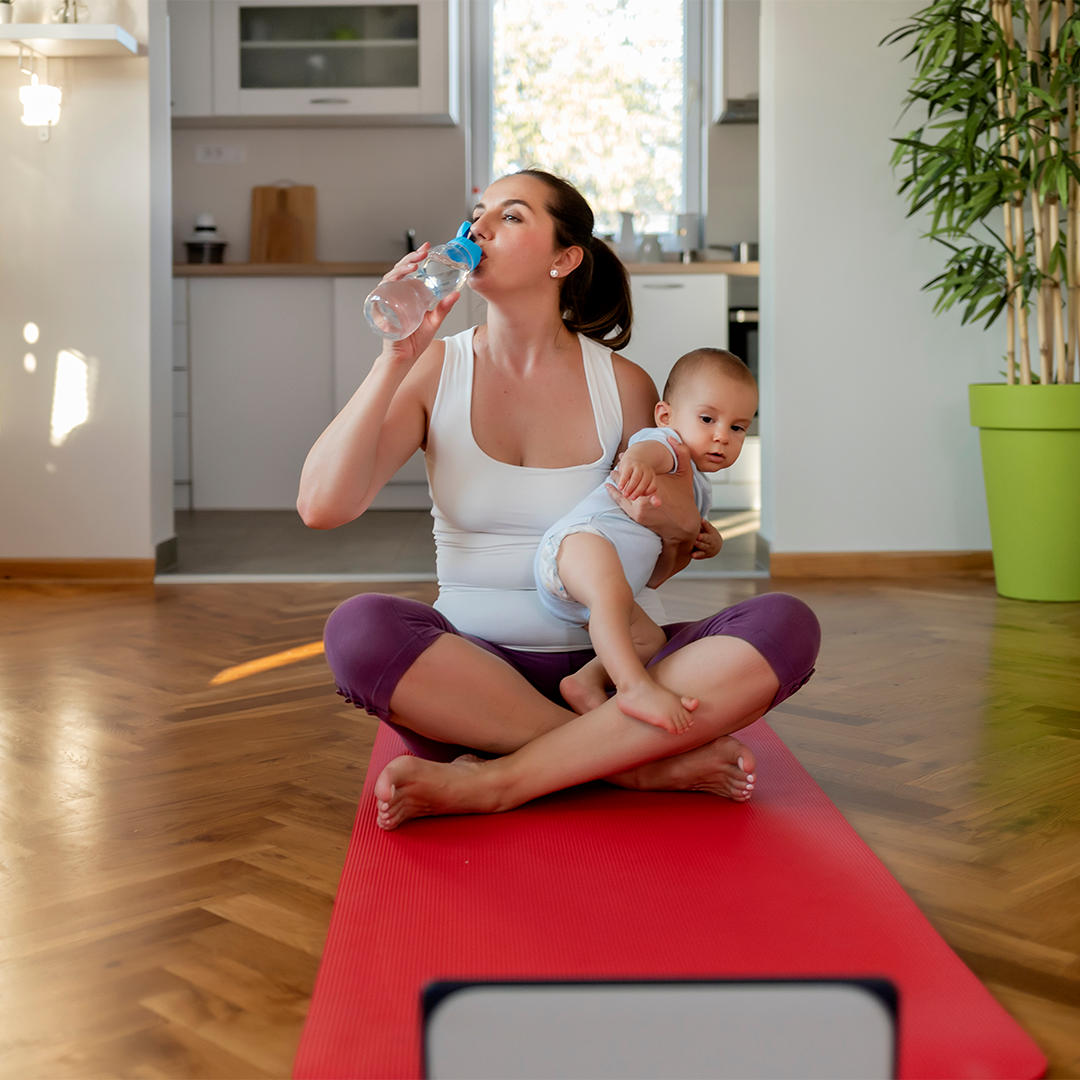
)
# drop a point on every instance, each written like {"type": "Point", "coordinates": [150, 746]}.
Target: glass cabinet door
{"type": "Point", "coordinates": [283, 48]}
{"type": "Point", "coordinates": [334, 57]}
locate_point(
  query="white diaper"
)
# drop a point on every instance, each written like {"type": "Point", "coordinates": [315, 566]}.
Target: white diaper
{"type": "Point", "coordinates": [638, 549]}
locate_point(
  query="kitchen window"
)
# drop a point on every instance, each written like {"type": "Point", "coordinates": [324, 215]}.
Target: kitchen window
{"type": "Point", "coordinates": [604, 92]}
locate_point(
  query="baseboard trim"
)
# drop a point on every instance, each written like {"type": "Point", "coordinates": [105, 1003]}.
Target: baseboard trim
{"type": "Point", "coordinates": [75, 570]}
{"type": "Point", "coordinates": [880, 564]}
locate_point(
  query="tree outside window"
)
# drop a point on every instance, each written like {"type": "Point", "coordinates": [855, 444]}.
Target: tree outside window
{"type": "Point", "coordinates": [594, 90]}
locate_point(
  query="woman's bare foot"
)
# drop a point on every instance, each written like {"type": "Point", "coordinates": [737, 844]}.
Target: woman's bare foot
{"type": "Point", "coordinates": [656, 705]}
{"type": "Point", "coordinates": [585, 690]}
{"type": "Point", "coordinates": [411, 787]}
{"type": "Point", "coordinates": [724, 766]}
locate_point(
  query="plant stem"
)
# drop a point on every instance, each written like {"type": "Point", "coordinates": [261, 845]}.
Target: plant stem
{"type": "Point", "coordinates": [1071, 261]}
{"type": "Point", "coordinates": [1055, 299]}
{"type": "Point", "coordinates": [1042, 255]}
{"type": "Point", "coordinates": [1019, 231]}
{"type": "Point", "coordinates": [1000, 13]}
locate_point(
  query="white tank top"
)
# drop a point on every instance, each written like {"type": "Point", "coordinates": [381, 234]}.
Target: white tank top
{"type": "Point", "coordinates": [490, 516]}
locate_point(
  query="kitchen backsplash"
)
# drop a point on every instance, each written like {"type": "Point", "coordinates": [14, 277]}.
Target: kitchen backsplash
{"type": "Point", "coordinates": [371, 184]}
{"type": "Point", "coordinates": [374, 183]}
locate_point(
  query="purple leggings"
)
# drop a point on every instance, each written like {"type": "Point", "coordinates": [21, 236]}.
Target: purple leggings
{"type": "Point", "coordinates": [372, 640]}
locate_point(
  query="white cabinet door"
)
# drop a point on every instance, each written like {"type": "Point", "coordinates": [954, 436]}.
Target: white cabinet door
{"type": "Point", "coordinates": [190, 57]}
{"type": "Point", "coordinates": [335, 58]}
{"type": "Point", "coordinates": [673, 314]}
{"type": "Point", "coordinates": [261, 387]}
{"type": "Point", "coordinates": [356, 346]}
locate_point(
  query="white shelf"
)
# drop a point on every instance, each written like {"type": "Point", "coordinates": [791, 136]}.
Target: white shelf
{"type": "Point", "coordinates": [68, 39]}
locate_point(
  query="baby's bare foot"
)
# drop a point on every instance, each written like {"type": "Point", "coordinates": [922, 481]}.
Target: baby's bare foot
{"type": "Point", "coordinates": [655, 705]}
{"type": "Point", "coordinates": [411, 787]}
{"type": "Point", "coordinates": [581, 693]}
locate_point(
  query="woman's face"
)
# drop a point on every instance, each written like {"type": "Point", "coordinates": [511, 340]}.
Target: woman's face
{"type": "Point", "coordinates": [517, 236]}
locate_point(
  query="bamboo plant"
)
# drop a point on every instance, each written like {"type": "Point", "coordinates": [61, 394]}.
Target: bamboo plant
{"type": "Point", "coordinates": [995, 161]}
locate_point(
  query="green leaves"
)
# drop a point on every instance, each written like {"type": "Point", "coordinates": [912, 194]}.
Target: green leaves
{"type": "Point", "coordinates": [995, 132]}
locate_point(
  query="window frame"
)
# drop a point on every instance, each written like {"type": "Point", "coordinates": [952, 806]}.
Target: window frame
{"type": "Point", "coordinates": [698, 20]}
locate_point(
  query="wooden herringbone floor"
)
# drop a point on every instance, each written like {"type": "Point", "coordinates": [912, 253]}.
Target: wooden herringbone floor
{"type": "Point", "coordinates": [169, 851]}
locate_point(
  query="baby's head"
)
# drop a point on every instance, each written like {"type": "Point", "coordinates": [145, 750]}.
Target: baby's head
{"type": "Point", "coordinates": [710, 398]}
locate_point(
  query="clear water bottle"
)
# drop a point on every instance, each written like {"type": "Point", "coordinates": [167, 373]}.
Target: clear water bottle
{"type": "Point", "coordinates": [395, 309]}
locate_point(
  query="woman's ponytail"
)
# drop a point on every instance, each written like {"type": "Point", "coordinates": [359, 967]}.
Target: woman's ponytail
{"type": "Point", "coordinates": [595, 297]}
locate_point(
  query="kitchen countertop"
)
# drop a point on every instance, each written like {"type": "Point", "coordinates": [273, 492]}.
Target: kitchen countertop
{"type": "Point", "coordinates": [377, 269]}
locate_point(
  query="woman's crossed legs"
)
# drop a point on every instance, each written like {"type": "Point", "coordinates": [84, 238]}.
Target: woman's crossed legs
{"type": "Point", "coordinates": [404, 662]}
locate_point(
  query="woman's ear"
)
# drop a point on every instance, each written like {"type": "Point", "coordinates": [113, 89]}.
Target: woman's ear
{"type": "Point", "coordinates": [662, 414]}
{"type": "Point", "coordinates": [568, 260]}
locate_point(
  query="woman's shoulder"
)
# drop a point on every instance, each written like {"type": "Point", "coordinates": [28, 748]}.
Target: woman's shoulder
{"type": "Point", "coordinates": [637, 395]}
{"type": "Point", "coordinates": [634, 382]}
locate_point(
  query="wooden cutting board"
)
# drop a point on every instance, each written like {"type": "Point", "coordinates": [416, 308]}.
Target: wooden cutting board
{"type": "Point", "coordinates": [283, 224]}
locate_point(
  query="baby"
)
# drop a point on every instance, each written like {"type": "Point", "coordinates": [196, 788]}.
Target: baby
{"type": "Point", "coordinates": [595, 560]}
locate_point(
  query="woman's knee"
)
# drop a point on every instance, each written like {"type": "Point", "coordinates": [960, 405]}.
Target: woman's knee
{"type": "Point", "coordinates": [792, 633]}
{"type": "Point", "coordinates": [371, 640]}
{"type": "Point", "coordinates": [781, 627]}
{"type": "Point", "coordinates": [353, 626]}
{"type": "Point", "coordinates": [796, 624]}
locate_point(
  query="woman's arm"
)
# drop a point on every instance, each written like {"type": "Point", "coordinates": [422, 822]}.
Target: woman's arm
{"type": "Point", "coordinates": [676, 520]}
{"type": "Point", "coordinates": [380, 428]}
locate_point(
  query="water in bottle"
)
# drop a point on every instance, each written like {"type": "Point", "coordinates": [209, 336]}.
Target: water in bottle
{"type": "Point", "coordinates": [395, 309]}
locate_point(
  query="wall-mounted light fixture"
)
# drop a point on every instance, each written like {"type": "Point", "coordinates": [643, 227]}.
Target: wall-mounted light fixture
{"type": "Point", "coordinates": [40, 101]}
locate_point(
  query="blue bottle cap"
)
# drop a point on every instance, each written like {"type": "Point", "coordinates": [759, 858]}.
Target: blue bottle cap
{"type": "Point", "coordinates": [463, 250]}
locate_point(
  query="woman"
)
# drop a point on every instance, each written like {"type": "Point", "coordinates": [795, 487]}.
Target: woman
{"type": "Point", "coordinates": [519, 419]}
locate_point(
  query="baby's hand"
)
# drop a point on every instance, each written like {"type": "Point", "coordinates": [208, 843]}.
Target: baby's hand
{"type": "Point", "coordinates": [634, 479]}
{"type": "Point", "coordinates": [708, 543]}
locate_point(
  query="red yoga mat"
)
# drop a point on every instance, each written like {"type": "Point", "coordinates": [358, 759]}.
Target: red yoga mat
{"type": "Point", "coordinates": [601, 883]}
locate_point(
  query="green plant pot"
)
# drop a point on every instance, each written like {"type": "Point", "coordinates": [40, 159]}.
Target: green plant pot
{"type": "Point", "coordinates": [1030, 438]}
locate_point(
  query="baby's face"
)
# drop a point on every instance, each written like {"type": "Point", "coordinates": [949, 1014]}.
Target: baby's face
{"type": "Point", "coordinates": [711, 412]}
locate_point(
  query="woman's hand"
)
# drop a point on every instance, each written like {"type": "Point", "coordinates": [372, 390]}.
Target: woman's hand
{"type": "Point", "coordinates": [708, 543]}
{"type": "Point", "coordinates": [408, 350]}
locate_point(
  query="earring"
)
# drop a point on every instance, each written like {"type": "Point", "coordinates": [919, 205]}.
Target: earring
{"type": "Point", "coordinates": [554, 273]}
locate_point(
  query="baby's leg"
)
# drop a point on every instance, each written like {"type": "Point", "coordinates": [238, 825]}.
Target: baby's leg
{"type": "Point", "coordinates": [592, 574]}
{"type": "Point", "coordinates": [587, 688]}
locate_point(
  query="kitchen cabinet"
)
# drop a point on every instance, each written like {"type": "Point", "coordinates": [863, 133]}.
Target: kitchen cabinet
{"type": "Point", "coordinates": [674, 313]}
{"type": "Point", "coordinates": [181, 403]}
{"type": "Point", "coordinates": [267, 361]}
{"type": "Point", "coordinates": [314, 61]}
{"type": "Point", "coordinates": [191, 57]}
{"type": "Point", "coordinates": [261, 377]}
{"type": "Point", "coordinates": [736, 29]}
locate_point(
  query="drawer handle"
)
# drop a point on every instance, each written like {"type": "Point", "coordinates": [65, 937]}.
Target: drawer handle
{"type": "Point", "coordinates": [329, 101]}
{"type": "Point", "coordinates": [673, 285]}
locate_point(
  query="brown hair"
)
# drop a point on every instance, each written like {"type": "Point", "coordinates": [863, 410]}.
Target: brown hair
{"type": "Point", "coordinates": [727, 363]}
{"type": "Point", "coordinates": [595, 297]}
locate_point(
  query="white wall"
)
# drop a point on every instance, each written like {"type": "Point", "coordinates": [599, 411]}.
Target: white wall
{"type": "Point", "coordinates": [866, 442]}
{"type": "Point", "coordinates": [161, 358]}
{"type": "Point", "coordinates": [371, 185]}
{"type": "Point", "coordinates": [75, 258]}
